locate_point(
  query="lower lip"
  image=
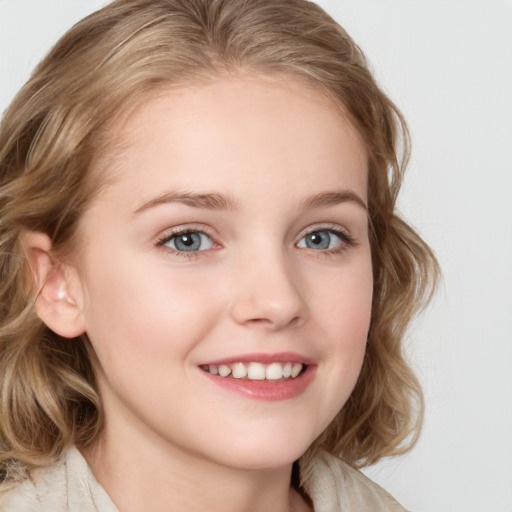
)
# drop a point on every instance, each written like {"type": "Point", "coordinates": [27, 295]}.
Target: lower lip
{"type": "Point", "coordinates": [266, 390]}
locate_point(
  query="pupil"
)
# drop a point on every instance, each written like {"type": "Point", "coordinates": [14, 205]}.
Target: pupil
{"type": "Point", "coordinates": [188, 242]}
{"type": "Point", "coordinates": [318, 240]}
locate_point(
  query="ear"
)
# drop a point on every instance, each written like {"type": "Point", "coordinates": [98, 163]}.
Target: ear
{"type": "Point", "coordinates": [59, 301]}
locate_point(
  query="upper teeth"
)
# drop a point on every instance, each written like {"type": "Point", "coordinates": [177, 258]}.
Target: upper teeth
{"type": "Point", "coordinates": [255, 371]}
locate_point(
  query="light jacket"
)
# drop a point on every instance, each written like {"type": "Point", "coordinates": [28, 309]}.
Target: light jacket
{"type": "Point", "coordinates": [69, 486]}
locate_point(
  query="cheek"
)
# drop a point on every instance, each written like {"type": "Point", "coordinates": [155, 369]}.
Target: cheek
{"type": "Point", "coordinates": [345, 303]}
{"type": "Point", "coordinates": [143, 314]}
{"type": "Point", "coordinates": [343, 315]}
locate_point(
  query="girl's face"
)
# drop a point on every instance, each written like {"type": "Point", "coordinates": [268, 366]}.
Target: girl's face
{"type": "Point", "coordinates": [229, 250]}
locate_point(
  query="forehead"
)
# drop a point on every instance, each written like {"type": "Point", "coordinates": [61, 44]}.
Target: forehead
{"type": "Point", "coordinates": [270, 131]}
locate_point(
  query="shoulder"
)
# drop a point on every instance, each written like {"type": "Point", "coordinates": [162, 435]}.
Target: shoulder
{"type": "Point", "coordinates": [334, 485]}
{"type": "Point", "coordinates": [21, 496]}
{"type": "Point", "coordinates": [67, 486]}
{"type": "Point", "coordinates": [28, 495]}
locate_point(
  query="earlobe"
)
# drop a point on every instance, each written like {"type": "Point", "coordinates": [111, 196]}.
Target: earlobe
{"type": "Point", "coordinates": [57, 301]}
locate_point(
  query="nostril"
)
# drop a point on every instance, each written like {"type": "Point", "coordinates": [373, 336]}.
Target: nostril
{"type": "Point", "coordinates": [295, 322]}
{"type": "Point", "coordinates": [267, 310]}
{"type": "Point", "coordinates": [274, 323]}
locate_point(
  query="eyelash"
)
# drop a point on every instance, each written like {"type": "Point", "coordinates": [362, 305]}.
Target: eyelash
{"type": "Point", "coordinates": [167, 237]}
{"type": "Point", "coordinates": [347, 241]}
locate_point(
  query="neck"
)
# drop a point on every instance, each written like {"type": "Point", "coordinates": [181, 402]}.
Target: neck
{"type": "Point", "coordinates": [149, 476]}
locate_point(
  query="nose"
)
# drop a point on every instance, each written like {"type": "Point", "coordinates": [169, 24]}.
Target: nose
{"type": "Point", "coordinates": [269, 294]}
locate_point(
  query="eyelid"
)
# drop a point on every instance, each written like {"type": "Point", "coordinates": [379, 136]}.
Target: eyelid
{"type": "Point", "coordinates": [169, 233]}
{"type": "Point", "coordinates": [347, 239]}
{"type": "Point", "coordinates": [343, 233]}
{"type": "Point", "coordinates": [320, 226]}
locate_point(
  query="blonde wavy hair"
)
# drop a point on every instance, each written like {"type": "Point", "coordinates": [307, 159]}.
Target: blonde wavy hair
{"type": "Point", "coordinates": [64, 118]}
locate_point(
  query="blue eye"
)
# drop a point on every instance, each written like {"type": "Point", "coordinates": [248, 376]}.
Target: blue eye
{"type": "Point", "coordinates": [321, 240]}
{"type": "Point", "coordinates": [190, 241]}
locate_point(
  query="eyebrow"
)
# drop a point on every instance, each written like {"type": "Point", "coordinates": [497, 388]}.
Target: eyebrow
{"type": "Point", "coordinates": [218, 201]}
{"type": "Point", "coordinates": [332, 198]}
{"type": "Point", "coordinates": [207, 201]}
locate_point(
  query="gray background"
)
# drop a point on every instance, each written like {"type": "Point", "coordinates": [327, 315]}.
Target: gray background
{"type": "Point", "coordinates": [448, 66]}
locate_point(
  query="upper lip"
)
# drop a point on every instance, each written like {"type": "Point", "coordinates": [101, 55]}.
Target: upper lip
{"type": "Point", "coordinates": [264, 358]}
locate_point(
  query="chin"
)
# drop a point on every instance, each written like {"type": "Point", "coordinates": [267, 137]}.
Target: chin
{"type": "Point", "coordinates": [271, 451]}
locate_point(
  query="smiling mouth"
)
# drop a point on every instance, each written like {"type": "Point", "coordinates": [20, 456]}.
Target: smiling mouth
{"type": "Point", "coordinates": [254, 371]}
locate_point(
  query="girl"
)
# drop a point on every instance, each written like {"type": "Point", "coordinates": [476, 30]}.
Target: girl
{"type": "Point", "coordinates": [204, 283]}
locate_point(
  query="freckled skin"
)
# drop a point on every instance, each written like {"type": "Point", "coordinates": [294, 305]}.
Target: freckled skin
{"type": "Point", "coordinates": [154, 313]}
